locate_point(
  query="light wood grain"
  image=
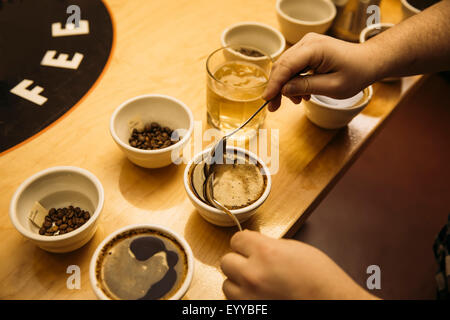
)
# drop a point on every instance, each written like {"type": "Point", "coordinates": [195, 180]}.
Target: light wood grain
{"type": "Point", "coordinates": [161, 47]}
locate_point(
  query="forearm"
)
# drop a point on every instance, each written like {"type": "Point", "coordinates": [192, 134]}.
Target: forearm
{"type": "Point", "coordinates": [420, 44]}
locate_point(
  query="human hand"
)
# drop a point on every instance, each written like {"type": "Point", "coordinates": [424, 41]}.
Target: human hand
{"type": "Point", "coordinates": [264, 268]}
{"type": "Point", "coordinates": [340, 70]}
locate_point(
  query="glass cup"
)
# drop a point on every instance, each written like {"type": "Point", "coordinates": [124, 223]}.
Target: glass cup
{"type": "Point", "coordinates": [236, 78]}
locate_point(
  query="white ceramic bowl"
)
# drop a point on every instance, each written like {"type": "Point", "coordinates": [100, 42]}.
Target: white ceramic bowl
{"type": "Point", "coordinates": [299, 17]}
{"type": "Point", "coordinates": [165, 110]}
{"type": "Point", "coordinates": [187, 249]}
{"type": "Point", "coordinates": [58, 187]}
{"type": "Point", "coordinates": [257, 35]}
{"type": "Point", "coordinates": [214, 215]}
{"type": "Point", "coordinates": [330, 117]}
{"type": "Point", "coordinates": [373, 30]}
{"type": "Point", "coordinates": [408, 10]}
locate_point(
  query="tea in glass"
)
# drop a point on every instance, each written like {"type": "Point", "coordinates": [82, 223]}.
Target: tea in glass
{"type": "Point", "coordinates": [235, 83]}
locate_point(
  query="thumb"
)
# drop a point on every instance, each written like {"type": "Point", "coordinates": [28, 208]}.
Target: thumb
{"type": "Point", "coordinates": [323, 84]}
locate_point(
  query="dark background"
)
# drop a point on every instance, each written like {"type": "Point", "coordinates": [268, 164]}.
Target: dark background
{"type": "Point", "coordinates": [25, 37]}
{"type": "Point", "coordinates": [390, 205]}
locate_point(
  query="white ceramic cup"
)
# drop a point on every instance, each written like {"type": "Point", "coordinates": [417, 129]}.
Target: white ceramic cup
{"type": "Point", "coordinates": [165, 110]}
{"type": "Point", "coordinates": [58, 187]}
{"type": "Point", "coordinates": [408, 10]}
{"type": "Point", "coordinates": [214, 215]}
{"type": "Point", "coordinates": [187, 249]}
{"type": "Point", "coordinates": [328, 116]}
{"type": "Point", "coordinates": [257, 35]}
{"type": "Point", "coordinates": [299, 17]}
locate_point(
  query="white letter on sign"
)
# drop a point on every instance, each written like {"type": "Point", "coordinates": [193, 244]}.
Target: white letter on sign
{"type": "Point", "coordinates": [374, 281]}
{"type": "Point", "coordinates": [73, 282]}
{"type": "Point", "coordinates": [31, 95]}
{"type": "Point", "coordinates": [70, 29]}
{"type": "Point", "coordinates": [61, 61]}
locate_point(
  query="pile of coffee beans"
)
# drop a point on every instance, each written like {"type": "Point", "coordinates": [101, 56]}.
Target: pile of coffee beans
{"type": "Point", "coordinates": [250, 52]}
{"type": "Point", "coordinates": [152, 137]}
{"type": "Point", "coordinates": [63, 220]}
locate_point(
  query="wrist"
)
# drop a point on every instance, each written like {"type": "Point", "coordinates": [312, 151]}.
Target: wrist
{"type": "Point", "coordinates": [376, 61]}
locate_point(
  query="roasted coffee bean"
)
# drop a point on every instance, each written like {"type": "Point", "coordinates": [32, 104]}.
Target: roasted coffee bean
{"type": "Point", "coordinates": [52, 211]}
{"type": "Point", "coordinates": [47, 224]}
{"type": "Point", "coordinates": [59, 222]}
{"type": "Point", "coordinates": [63, 226]}
{"type": "Point", "coordinates": [53, 229]}
{"type": "Point", "coordinates": [42, 231]}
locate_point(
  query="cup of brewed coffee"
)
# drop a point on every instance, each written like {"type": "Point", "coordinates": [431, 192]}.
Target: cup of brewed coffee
{"type": "Point", "coordinates": [241, 185]}
{"type": "Point", "coordinates": [142, 262]}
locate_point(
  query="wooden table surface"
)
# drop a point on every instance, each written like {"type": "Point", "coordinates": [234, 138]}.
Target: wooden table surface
{"type": "Point", "coordinates": [161, 47]}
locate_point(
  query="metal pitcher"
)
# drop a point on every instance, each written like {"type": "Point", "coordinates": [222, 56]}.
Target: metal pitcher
{"type": "Point", "coordinates": [351, 18]}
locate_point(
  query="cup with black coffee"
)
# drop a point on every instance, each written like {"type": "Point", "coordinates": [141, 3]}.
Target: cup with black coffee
{"type": "Point", "coordinates": [142, 262]}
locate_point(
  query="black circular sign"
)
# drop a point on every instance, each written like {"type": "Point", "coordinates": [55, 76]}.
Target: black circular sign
{"type": "Point", "coordinates": [51, 53]}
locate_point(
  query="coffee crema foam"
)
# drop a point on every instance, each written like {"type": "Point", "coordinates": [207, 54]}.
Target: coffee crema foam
{"type": "Point", "coordinates": [238, 185]}
{"type": "Point", "coordinates": [141, 264]}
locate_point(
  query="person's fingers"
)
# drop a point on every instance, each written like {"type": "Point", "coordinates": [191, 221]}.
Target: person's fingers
{"type": "Point", "coordinates": [231, 290]}
{"type": "Point", "coordinates": [232, 265]}
{"type": "Point", "coordinates": [275, 103]}
{"type": "Point", "coordinates": [323, 84]}
{"type": "Point", "coordinates": [295, 99]}
{"type": "Point", "coordinates": [247, 242]}
{"type": "Point", "coordinates": [287, 66]}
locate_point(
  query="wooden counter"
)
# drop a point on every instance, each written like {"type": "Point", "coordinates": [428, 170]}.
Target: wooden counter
{"type": "Point", "coordinates": [161, 47]}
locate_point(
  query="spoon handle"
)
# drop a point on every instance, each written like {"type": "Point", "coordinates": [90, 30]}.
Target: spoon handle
{"type": "Point", "coordinates": [248, 120]}
{"type": "Point", "coordinates": [298, 74]}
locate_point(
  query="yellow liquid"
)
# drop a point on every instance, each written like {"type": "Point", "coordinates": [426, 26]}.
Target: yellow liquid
{"type": "Point", "coordinates": [236, 96]}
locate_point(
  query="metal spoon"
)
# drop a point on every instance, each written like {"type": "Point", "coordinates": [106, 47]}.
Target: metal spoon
{"type": "Point", "coordinates": [217, 155]}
